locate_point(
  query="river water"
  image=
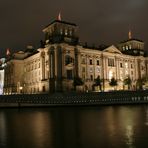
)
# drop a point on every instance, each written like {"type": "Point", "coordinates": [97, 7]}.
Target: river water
{"type": "Point", "coordinates": [75, 127]}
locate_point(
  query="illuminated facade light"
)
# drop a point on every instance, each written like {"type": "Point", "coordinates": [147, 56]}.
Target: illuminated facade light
{"type": "Point", "coordinates": [53, 67]}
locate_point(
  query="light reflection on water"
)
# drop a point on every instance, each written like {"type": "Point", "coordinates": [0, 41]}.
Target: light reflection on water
{"type": "Point", "coordinates": [76, 127]}
{"type": "Point", "coordinates": [129, 135]}
{"type": "Point", "coordinates": [146, 122]}
{"type": "Point", "coordinates": [2, 129]}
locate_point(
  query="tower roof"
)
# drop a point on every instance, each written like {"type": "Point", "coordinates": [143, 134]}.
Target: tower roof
{"type": "Point", "coordinates": [63, 22]}
{"type": "Point", "coordinates": [133, 39]}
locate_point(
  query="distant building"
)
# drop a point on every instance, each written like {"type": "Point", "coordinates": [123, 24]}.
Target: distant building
{"type": "Point", "coordinates": [1, 80]}
{"type": "Point", "coordinates": [2, 65]}
{"type": "Point", "coordinates": [61, 58]}
{"type": "Point", "coordinates": [14, 73]}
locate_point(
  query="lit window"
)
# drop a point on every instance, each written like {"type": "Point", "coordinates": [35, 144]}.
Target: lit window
{"type": "Point", "coordinates": [126, 47]}
{"type": "Point", "coordinates": [110, 75]}
{"type": "Point", "coordinates": [97, 69]}
{"type": "Point", "coordinates": [126, 72]}
{"type": "Point", "coordinates": [66, 32]}
{"type": "Point", "coordinates": [91, 69]}
{"type": "Point", "coordinates": [126, 65]}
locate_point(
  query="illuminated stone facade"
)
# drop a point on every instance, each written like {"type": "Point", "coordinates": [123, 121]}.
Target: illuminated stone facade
{"type": "Point", "coordinates": [52, 67]}
{"type": "Point", "coordinates": [1, 80]}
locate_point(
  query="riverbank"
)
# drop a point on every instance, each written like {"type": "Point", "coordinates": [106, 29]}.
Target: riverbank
{"type": "Point", "coordinates": [74, 99]}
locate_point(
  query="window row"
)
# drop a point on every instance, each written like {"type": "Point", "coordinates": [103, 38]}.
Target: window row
{"type": "Point", "coordinates": [90, 61]}
{"type": "Point", "coordinates": [126, 65]}
{"type": "Point", "coordinates": [133, 46]}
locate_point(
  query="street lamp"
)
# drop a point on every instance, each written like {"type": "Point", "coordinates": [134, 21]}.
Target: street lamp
{"type": "Point", "coordinates": [21, 88]}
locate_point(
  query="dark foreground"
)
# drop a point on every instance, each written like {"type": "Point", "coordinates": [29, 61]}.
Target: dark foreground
{"type": "Point", "coordinates": [74, 99]}
{"type": "Point", "coordinates": [75, 127]}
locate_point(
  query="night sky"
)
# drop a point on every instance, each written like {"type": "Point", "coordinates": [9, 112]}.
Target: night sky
{"type": "Point", "coordinates": [99, 21]}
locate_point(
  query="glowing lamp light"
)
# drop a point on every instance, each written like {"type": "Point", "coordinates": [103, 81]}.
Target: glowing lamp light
{"type": "Point", "coordinates": [20, 87]}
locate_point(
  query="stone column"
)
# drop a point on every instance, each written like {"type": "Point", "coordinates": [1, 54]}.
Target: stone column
{"type": "Point", "coordinates": [118, 69]}
{"type": "Point", "coordinates": [105, 67]}
{"type": "Point", "coordinates": [86, 58]}
{"type": "Point", "coordinates": [103, 70]}
{"type": "Point", "coordinates": [76, 72]}
{"type": "Point", "coordinates": [52, 69]}
{"type": "Point", "coordinates": [59, 68]}
{"type": "Point", "coordinates": [94, 67]}
{"type": "Point", "coordinates": [43, 65]}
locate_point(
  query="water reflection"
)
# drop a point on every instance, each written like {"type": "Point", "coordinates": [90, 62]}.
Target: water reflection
{"type": "Point", "coordinates": [40, 128]}
{"type": "Point", "coordinates": [129, 135]}
{"type": "Point", "coordinates": [2, 129]}
{"type": "Point", "coordinates": [84, 127]}
{"type": "Point", "coordinates": [25, 128]}
{"type": "Point", "coordinates": [146, 122]}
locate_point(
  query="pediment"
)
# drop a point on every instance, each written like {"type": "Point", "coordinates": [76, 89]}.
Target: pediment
{"type": "Point", "coordinates": [112, 49]}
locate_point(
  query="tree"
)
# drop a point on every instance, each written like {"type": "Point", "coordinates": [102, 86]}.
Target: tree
{"type": "Point", "coordinates": [113, 82]}
{"type": "Point", "coordinates": [142, 81]}
{"type": "Point", "coordinates": [139, 83]}
{"type": "Point", "coordinates": [127, 81]}
{"type": "Point", "coordinates": [98, 82]}
{"type": "Point", "coordinates": [77, 82]}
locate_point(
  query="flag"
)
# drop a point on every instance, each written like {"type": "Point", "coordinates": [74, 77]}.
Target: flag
{"type": "Point", "coordinates": [7, 51]}
{"type": "Point", "coordinates": [129, 34]}
{"type": "Point", "coordinates": [59, 17]}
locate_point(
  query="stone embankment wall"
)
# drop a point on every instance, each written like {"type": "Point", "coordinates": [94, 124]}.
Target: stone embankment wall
{"type": "Point", "coordinates": [74, 99]}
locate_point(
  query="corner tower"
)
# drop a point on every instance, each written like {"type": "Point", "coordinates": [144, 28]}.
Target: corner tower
{"type": "Point", "coordinates": [59, 31]}
{"type": "Point", "coordinates": [132, 46]}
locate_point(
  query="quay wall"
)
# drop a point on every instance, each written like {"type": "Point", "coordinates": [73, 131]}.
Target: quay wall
{"type": "Point", "coordinates": [74, 99]}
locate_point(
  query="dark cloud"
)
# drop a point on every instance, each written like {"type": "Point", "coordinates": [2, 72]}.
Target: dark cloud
{"type": "Point", "coordinates": [100, 21]}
